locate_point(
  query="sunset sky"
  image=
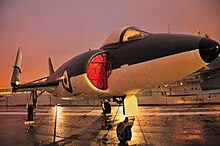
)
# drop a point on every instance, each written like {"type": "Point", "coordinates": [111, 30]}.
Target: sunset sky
{"type": "Point", "coordinates": [62, 29]}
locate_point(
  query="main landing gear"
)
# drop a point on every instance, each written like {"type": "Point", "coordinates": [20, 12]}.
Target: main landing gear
{"type": "Point", "coordinates": [106, 107]}
{"type": "Point", "coordinates": [130, 108]}
{"type": "Point", "coordinates": [31, 109]}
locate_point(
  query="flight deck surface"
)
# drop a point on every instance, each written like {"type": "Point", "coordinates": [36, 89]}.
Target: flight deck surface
{"type": "Point", "coordinates": [73, 125]}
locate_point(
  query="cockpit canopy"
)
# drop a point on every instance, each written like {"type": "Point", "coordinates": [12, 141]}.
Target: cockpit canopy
{"type": "Point", "coordinates": [125, 34]}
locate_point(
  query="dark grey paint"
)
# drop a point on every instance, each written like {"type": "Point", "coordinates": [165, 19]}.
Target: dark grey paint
{"type": "Point", "coordinates": [132, 52]}
{"type": "Point", "coordinates": [152, 47]}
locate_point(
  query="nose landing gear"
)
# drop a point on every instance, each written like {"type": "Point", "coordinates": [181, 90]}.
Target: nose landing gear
{"type": "Point", "coordinates": [130, 108]}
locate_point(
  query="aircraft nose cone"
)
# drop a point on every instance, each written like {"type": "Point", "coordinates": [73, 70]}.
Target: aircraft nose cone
{"type": "Point", "coordinates": [208, 49]}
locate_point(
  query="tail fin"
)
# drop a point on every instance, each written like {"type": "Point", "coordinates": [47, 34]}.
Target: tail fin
{"type": "Point", "coordinates": [51, 70]}
{"type": "Point", "coordinates": [15, 80]}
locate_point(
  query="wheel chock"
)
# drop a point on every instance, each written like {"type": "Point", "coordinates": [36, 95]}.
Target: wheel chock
{"type": "Point", "coordinates": [131, 142]}
{"type": "Point", "coordinates": [29, 122]}
{"type": "Point", "coordinates": [108, 115]}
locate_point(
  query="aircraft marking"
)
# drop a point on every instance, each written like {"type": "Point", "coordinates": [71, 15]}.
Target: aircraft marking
{"type": "Point", "coordinates": [66, 82]}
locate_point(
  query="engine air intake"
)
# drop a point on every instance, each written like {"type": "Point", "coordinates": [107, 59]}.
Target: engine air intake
{"type": "Point", "coordinates": [98, 71]}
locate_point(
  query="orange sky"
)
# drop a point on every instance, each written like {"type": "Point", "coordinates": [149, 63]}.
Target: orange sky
{"type": "Point", "coordinates": [63, 29]}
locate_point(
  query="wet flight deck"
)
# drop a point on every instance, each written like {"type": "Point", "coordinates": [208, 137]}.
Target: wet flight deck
{"type": "Point", "coordinates": [74, 125]}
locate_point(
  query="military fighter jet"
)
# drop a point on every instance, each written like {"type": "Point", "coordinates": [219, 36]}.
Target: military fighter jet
{"type": "Point", "coordinates": [130, 61]}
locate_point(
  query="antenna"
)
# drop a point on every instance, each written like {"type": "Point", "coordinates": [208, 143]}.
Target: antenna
{"type": "Point", "coordinates": [168, 28]}
{"type": "Point", "coordinates": [199, 33]}
{"type": "Point", "coordinates": [207, 36]}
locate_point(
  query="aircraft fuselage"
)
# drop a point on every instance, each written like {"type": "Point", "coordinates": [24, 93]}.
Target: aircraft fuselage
{"type": "Point", "coordinates": [133, 66]}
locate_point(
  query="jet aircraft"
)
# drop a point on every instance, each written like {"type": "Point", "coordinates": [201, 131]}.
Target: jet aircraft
{"type": "Point", "coordinates": [130, 61]}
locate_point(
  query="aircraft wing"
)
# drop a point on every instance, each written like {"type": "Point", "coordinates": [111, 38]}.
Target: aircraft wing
{"type": "Point", "coordinates": [42, 84]}
{"type": "Point", "coordinates": [215, 91]}
{"type": "Point", "coordinates": [46, 85]}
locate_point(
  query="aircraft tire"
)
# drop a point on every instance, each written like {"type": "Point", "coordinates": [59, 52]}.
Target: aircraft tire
{"type": "Point", "coordinates": [30, 113]}
{"type": "Point", "coordinates": [125, 135]}
{"type": "Point", "coordinates": [107, 108]}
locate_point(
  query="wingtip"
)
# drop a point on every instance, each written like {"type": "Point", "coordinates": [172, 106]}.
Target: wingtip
{"type": "Point", "coordinates": [20, 49]}
{"type": "Point", "coordinates": [17, 69]}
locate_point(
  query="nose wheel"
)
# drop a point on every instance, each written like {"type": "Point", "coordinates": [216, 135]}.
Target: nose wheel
{"type": "Point", "coordinates": [124, 131]}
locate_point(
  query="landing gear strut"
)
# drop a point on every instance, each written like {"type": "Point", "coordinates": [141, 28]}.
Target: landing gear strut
{"type": "Point", "coordinates": [31, 108]}
{"type": "Point", "coordinates": [130, 107]}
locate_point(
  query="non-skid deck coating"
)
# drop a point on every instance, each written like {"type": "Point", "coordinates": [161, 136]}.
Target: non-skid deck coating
{"type": "Point", "coordinates": [155, 125]}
